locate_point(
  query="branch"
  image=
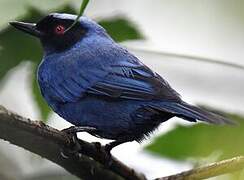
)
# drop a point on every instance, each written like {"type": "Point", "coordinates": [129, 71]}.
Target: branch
{"type": "Point", "coordinates": [47, 142]}
{"type": "Point", "coordinates": [91, 162]}
{"type": "Point", "coordinates": [211, 170]}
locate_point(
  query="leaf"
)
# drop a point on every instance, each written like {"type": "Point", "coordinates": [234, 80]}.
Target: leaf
{"type": "Point", "coordinates": [82, 9]}
{"type": "Point", "coordinates": [121, 29]}
{"type": "Point", "coordinates": [201, 140]}
{"type": "Point", "coordinates": [17, 47]}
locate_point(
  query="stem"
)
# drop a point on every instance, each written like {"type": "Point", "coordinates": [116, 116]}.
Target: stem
{"type": "Point", "coordinates": [82, 9]}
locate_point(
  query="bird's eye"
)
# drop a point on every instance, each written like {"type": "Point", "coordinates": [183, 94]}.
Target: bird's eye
{"type": "Point", "coordinates": [59, 29]}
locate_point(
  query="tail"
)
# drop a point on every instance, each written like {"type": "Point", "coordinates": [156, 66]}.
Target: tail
{"type": "Point", "coordinates": [191, 113]}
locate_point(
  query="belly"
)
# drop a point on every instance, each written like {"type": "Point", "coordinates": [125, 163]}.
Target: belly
{"type": "Point", "coordinates": [113, 119]}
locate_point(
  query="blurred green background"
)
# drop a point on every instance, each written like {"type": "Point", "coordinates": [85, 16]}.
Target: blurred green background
{"type": "Point", "coordinates": [196, 45]}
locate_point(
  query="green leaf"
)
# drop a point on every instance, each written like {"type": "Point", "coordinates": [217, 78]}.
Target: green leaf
{"type": "Point", "coordinates": [201, 140]}
{"type": "Point", "coordinates": [82, 9]}
{"type": "Point", "coordinates": [121, 29]}
{"type": "Point", "coordinates": [17, 47]}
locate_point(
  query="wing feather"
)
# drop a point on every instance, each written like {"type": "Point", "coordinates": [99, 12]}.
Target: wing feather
{"type": "Point", "coordinates": [124, 78]}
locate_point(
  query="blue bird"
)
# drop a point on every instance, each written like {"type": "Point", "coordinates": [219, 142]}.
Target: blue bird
{"type": "Point", "coordinates": [101, 88]}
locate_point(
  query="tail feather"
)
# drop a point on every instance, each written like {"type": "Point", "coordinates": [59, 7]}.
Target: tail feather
{"type": "Point", "coordinates": [192, 113]}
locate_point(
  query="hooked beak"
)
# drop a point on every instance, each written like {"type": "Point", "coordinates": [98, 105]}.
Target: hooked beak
{"type": "Point", "coordinates": [29, 28]}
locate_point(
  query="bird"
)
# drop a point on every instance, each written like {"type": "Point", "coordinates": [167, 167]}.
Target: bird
{"type": "Point", "coordinates": [100, 87]}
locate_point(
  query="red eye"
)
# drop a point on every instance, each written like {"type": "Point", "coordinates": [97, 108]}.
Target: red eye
{"type": "Point", "coordinates": [59, 29]}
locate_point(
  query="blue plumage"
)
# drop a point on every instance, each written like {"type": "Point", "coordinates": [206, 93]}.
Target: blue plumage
{"type": "Point", "coordinates": [90, 80]}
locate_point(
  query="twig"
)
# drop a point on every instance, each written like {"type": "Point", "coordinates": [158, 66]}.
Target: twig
{"type": "Point", "coordinates": [47, 142]}
{"type": "Point", "coordinates": [211, 170]}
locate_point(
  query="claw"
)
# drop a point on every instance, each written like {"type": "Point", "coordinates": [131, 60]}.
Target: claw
{"type": "Point", "coordinates": [108, 148]}
{"type": "Point", "coordinates": [108, 157]}
{"type": "Point", "coordinates": [63, 154]}
{"type": "Point", "coordinates": [98, 146]}
{"type": "Point", "coordinates": [73, 149]}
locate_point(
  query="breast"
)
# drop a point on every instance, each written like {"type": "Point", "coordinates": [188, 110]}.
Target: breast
{"type": "Point", "coordinates": [45, 74]}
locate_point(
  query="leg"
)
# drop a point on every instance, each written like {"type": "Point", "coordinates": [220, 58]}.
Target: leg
{"type": "Point", "coordinates": [110, 146]}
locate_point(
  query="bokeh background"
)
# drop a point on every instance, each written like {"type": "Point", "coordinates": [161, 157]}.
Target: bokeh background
{"type": "Point", "coordinates": [197, 45]}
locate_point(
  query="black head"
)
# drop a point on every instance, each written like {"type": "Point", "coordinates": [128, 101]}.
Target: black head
{"type": "Point", "coordinates": [52, 31]}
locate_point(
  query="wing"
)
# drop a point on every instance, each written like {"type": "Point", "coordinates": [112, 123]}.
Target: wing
{"type": "Point", "coordinates": [133, 81]}
{"type": "Point", "coordinates": [123, 78]}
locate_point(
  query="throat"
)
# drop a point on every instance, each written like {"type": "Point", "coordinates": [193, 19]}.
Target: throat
{"type": "Point", "coordinates": [57, 44]}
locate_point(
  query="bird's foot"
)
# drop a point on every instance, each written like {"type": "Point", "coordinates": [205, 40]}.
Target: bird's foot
{"type": "Point", "coordinates": [75, 129]}
{"type": "Point", "coordinates": [73, 149]}
{"type": "Point", "coordinates": [105, 153]}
